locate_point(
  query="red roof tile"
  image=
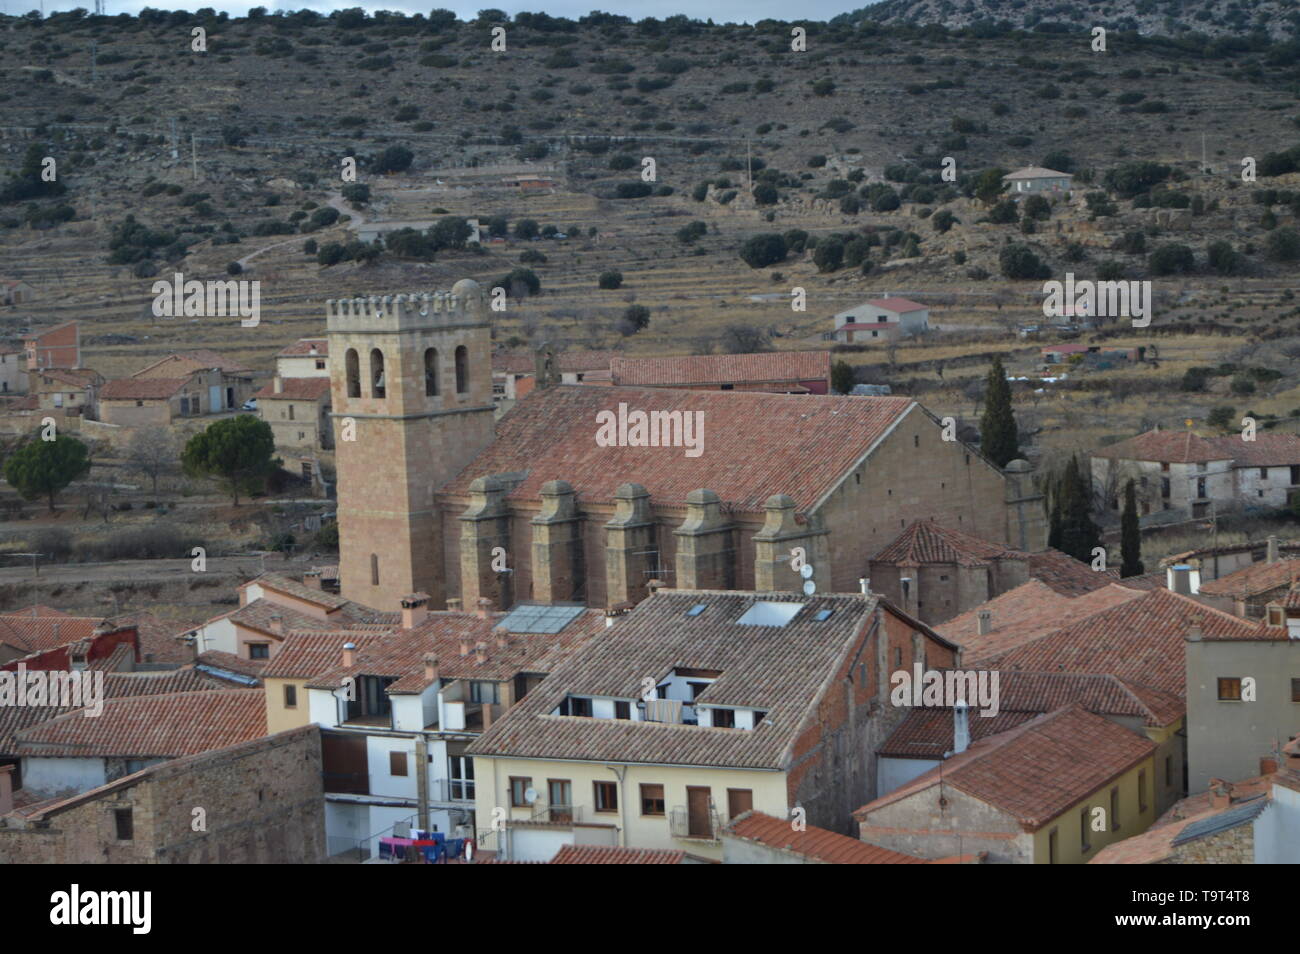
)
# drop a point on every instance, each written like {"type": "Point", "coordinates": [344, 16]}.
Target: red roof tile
{"type": "Point", "coordinates": [809, 443]}
{"type": "Point", "coordinates": [896, 304]}
{"type": "Point", "coordinates": [1173, 447]}
{"type": "Point", "coordinates": [925, 541]}
{"type": "Point", "coordinates": [141, 389]}
{"type": "Point", "coordinates": [1254, 580]}
{"type": "Point", "coordinates": [296, 389]}
{"type": "Point", "coordinates": [303, 348]}
{"type": "Point", "coordinates": [34, 635]}
{"type": "Point", "coordinates": [606, 855]}
{"type": "Point", "coordinates": [815, 844]}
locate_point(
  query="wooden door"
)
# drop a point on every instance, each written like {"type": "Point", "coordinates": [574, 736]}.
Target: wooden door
{"type": "Point", "coordinates": [699, 825]}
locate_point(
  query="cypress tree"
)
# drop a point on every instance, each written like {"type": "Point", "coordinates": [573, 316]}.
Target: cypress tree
{"type": "Point", "coordinates": [1130, 539]}
{"type": "Point", "coordinates": [1079, 535]}
{"type": "Point", "coordinates": [999, 440]}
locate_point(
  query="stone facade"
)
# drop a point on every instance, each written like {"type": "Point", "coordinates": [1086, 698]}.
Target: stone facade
{"type": "Point", "coordinates": [1236, 846]}
{"type": "Point", "coordinates": [262, 803]}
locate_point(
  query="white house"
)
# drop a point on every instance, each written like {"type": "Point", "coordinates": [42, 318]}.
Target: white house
{"type": "Point", "coordinates": [1037, 179]}
{"type": "Point", "coordinates": [880, 320]}
{"type": "Point", "coordinates": [305, 358]}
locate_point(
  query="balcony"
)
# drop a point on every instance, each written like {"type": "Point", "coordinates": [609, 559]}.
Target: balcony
{"type": "Point", "coordinates": [694, 825]}
{"type": "Point", "coordinates": [441, 791]}
{"type": "Point", "coordinates": [557, 814]}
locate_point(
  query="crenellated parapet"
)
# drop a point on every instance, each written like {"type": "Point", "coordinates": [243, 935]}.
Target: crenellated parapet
{"type": "Point", "coordinates": [465, 302]}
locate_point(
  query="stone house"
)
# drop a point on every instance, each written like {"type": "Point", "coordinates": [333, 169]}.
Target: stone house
{"type": "Point", "coordinates": [71, 391]}
{"type": "Point", "coordinates": [298, 411]}
{"type": "Point", "coordinates": [13, 370]}
{"type": "Point", "coordinates": [56, 347]}
{"type": "Point", "coordinates": [224, 385]}
{"type": "Point", "coordinates": [305, 358]}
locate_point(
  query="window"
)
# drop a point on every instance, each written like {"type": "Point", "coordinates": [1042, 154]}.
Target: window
{"type": "Point", "coordinates": [462, 369]}
{"type": "Point", "coordinates": [259, 650]}
{"type": "Point", "coordinates": [462, 777]}
{"type": "Point", "coordinates": [352, 369]}
{"type": "Point", "coordinates": [1169, 771]}
{"type": "Point", "coordinates": [724, 718]}
{"type": "Point", "coordinates": [377, 388]}
{"type": "Point", "coordinates": [1295, 690]}
{"type": "Point", "coordinates": [1053, 852]}
{"type": "Point", "coordinates": [1142, 790]}
{"type": "Point", "coordinates": [291, 696]}
{"type": "Point", "coordinates": [374, 569]}
{"type": "Point", "coordinates": [291, 412]}
{"type": "Point", "coordinates": [606, 795]}
{"type": "Point", "coordinates": [898, 657]}
{"type": "Point", "coordinates": [559, 797]}
{"type": "Point", "coordinates": [1229, 689]}
{"type": "Point", "coordinates": [739, 801]}
{"type": "Point", "coordinates": [1263, 473]}
{"type": "Point", "coordinates": [519, 785]}
{"type": "Point", "coordinates": [124, 824]}
{"type": "Point", "coordinates": [139, 403]}
{"type": "Point", "coordinates": [1276, 616]}
{"type": "Point", "coordinates": [431, 372]}
{"type": "Point", "coordinates": [320, 364]}
{"type": "Point", "coordinates": [397, 764]}
{"type": "Point", "coordinates": [1200, 486]}
{"type": "Point", "coordinates": [1164, 468]}
{"type": "Point", "coordinates": [576, 706]}
{"type": "Point", "coordinates": [1164, 486]}
{"type": "Point", "coordinates": [652, 799]}
{"type": "Point", "coordinates": [696, 688]}
{"type": "Point", "coordinates": [1114, 809]}
{"type": "Point", "coordinates": [622, 709]}
{"type": "Point", "coordinates": [916, 440]}
{"type": "Point", "coordinates": [1083, 831]}
{"type": "Point", "coordinates": [484, 692]}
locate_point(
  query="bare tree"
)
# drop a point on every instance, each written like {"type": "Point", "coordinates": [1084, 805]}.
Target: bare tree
{"type": "Point", "coordinates": [153, 453]}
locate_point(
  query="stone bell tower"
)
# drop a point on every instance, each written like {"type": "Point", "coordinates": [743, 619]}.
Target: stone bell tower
{"type": "Point", "coordinates": [411, 383]}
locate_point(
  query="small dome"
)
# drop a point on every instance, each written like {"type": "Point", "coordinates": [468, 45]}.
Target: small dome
{"type": "Point", "coordinates": [1019, 466]}
{"type": "Point", "coordinates": [467, 289]}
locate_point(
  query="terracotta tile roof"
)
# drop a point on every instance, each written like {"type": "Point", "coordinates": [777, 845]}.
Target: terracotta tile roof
{"type": "Point", "coordinates": [1155, 580]}
{"type": "Point", "coordinates": [1141, 640]}
{"type": "Point", "coordinates": [201, 359]}
{"type": "Point", "coordinates": [302, 348]}
{"type": "Point", "coordinates": [38, 609]}
{"type": "Point", "coordinates": [1025, 612]}
{"type": "Point", "coordinates": [117, 685]}
{"type": "Point", "coordinates": [927, 733]}
{"type": "Point", "coordinates": [1254, 580]}
{"type": "Point", "coordinates": [1157, 843]}
{"type": "Point", "coordinates": [291, 587]}
{"type": "Point", "coordinates": [141, 389]}
{"type": "Point", "coordinates": [896, 304]}
{"type": "Point", "coordinates": [1172, 447]}
{"type": "Point", "coordinates": [925, 541]}
{"type": "Point", "coordinates": [160, 726]}
{"type": "Point", "coordinates": [296, 389]}
{"type": "Point", "coordinates": [402, 654]}
{"type": "Point", "coordinates": [809, 444]}
{"type": "Point", "coordinates": [232, 663]}
{"type": "Point", "coordinates": [1266, 450]}
{"type": "Point", "coordinates": [76, 377]}
{"type": "Point", "coordinates": [1037, 770]}
{"type": "Point", "coordinates": [721, 368]}
{"type": "Point", "coordinates": [303, 655]}
{"type": "Point", "coordinates": [1067, 575]}
{"type": "Point", "coordinates": [782, 670]}
{"type": "Point", "coordinates": [524, 362]}
{"type": "Point", "coordinates": [30, 635]}
{"type": "Point", "coordinates": [158, 639]}
{"type": "Point", "coordinates": [814, 844]}
{"type": "Point", "coordinates": [604, 855]}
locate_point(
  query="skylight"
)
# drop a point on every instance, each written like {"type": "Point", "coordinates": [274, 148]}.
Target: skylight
{"type": "Point", "coordinates": [823, 615]}
{"type": "Point", "coordinates": [531, 618]}
{"type": "Point", "coordinates": [769, 613]}
{"type": "Point", "coordinates": [696, 610]}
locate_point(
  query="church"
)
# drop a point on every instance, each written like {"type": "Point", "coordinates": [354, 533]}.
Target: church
{"type": "Point", "coordinates": [549, 504]}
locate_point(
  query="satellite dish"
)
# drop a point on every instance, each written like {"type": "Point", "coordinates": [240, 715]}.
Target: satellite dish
{"type": "Point", "coordinates": [809, 588]}
{"type": "Point", "coordinates": [530, 795]}
{"type": "Point", "coordinates": [806, 571]}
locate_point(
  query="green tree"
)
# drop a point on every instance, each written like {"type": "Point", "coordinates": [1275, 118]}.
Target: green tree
{"type": "Point", "coordinates": [988, 185]}
{"type": "Point", "coordinates": [843, 377]}
{"type": "Point", "coordinates": [394, 159]}
{"type": "Point", "coordinates": [763, 250]}
{"type": "Point", "coordinates": [42, 468]}
{"type": "Point", "coordinates": [1079, 535]}
{"type": "Point", "coordinates": [239, 452]}
{"type": "Point", "coordinates": [1130, 537]}
{"type": "Point", "coordinates": [999, 441]}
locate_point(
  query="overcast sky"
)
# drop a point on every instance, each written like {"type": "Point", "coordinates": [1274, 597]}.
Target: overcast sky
{"type": "Point", "coordinates": [722, 11]}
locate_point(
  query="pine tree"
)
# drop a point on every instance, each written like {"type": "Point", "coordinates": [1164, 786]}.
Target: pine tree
{"type": "Point", "coordinates": [1130, 538]}
{"type": "Point", "coordinates": [843, 377]}
{"type": "Point", "coordinates": [1079, 534]}
{"type": "Point", "coordinates": [999, 441]}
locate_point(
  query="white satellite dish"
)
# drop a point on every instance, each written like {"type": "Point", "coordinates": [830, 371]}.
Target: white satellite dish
{"type": "Point", "coordinates": [530, 795]}
{"type": "Point", "coordinates": [806, 571]}
{"type": "Point", "coordinates": [809, 588]}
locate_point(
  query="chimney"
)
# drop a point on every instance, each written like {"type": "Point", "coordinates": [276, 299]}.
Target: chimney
{"type": "Point", "coordinates": [6, 789]}
{"type": "Point", "coordinates": [1268, 765]}
{"type": "Point", "coordinates": [1180, 579]}
{"type": "Point", "coordinates": [654, 586]}
{"type": "Point", "coordinates": [453, 604]}
{"type": "Point", "coordinates": [311, 579]}
{"type": "Point", "coordinates": [984, 622]}
{"type": "Point", "coordinates": [960, 727]}
{"type": "Point", "coordinates": [1220, 794]}
{"type": "Point", "coordinates": [865, 585]}
{"type": "Point", "coordinates": [277, 624]}
{"type": "Point", "coordinates": [617, 610]}
{"type": "Point", "coordinates": [1272, 552]}
{"type": "Point", "coordinates": [484, 607]}
{"type": "Point", "coordinates": [430, 667]}
{"type": "Point", "coordinates": [279, 384]}
{"type": "Point", "coordinates": [464, 647]}
{"type": "Point", "coordinates": [480, 653]}
{"type": "Point", "coordinates": [1194, 630]}
{"type": "Point", "coordinates": [502, 636]}
{"type": "Point", "coordinates": [415, 609]}
{"type": "Point", "coordinates": [349, 655]}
